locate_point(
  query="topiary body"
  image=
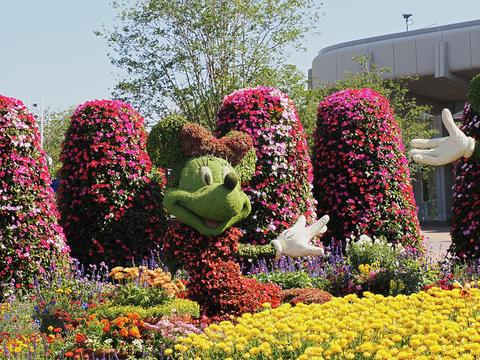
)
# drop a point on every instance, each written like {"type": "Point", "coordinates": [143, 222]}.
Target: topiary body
{"type": "Point", "coordinates": [361, 174]}
{"type": "Point", "coordinates": [31, 241]}
{"type": "Point", "coordinates": [280, 190]}
{"type": "Point", "coordinates": [111, 203]}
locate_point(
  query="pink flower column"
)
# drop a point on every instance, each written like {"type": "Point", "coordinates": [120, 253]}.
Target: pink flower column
{"type": "Point", "coordinates": [111, 209]}
{"type": "Point", "coordinates": [31, 241]}
{"type": "Point", "coordinates": [466, 194]}
{"type": "Point", "coordinates": [361, 173]}
{"type": "Point", "coordinates": [280, 190]}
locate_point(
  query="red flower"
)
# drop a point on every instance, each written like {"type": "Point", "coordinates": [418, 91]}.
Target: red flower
{"type": "Point", "coordinates": [80, 338]}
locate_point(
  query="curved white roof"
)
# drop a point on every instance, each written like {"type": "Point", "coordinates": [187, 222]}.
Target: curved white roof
{"type": "Point", "coordinates": [444, 57]}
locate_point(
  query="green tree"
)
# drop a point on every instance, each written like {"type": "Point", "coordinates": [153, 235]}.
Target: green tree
{"type": "Point", "coordinates": [415, 120]}
{"type": "Point", "coordinates": [186, 55]}
{"type": "Point", "coordinates": [56, 124]}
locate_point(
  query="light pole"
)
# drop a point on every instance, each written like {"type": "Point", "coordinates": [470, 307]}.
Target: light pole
{"type": "Point", "coordinates": [42, 118]}
{"type": "Point", "coordinates": [407, 20]}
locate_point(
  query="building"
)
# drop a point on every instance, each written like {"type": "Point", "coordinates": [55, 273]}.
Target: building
{"type": "Point", "coordinates": [444, 58]}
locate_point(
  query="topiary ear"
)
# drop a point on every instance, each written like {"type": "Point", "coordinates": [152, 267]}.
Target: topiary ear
{"type": "Point", "coordinates": [164, 145]}
{"type": "Point", "coordinates": [246, 167]}
{"type": "Point", "coordinates": [473, 94]}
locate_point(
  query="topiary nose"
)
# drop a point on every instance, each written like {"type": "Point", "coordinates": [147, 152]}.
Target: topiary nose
{"type": "Point", "coordinates": [230, 181]}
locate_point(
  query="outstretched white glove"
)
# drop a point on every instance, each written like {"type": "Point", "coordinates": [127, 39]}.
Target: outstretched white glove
{"type": "Point", "coordinates": [442, 151]}
{"type": "Point", "coordinates": [295, 242]}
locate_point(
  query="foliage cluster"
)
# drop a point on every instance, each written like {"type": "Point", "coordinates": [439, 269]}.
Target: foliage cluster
{"type": "Point", "coordinates": [369, 265]}
{"type": "Point", "coordinates": [361, 173]}
{"type": "Point", "coordinates": [164, 145]}
{"type": "Point", "coordinates": [56, 125]}
{"type": "Point", "coordinates": [111, 208]}
{"type": "Point", "coordinates": [189, 55]}
{"type": "Point", "coordinates": [473, 95]}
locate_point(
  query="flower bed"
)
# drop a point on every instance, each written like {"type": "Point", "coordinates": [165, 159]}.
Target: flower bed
{"type": "Point", "coordinates": [438, 323]}
{"type": "Point", "coordinates": [373, 265]}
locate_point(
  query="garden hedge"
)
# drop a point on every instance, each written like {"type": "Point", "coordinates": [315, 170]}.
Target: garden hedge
{"type": "Point", "coordinates": [466, 196]}
{"type": "Point", "coordinates": [280, 190]}
{"type": "Point", "coordinates": [361, 173]}
{"type": "Point", "coordinates": [31, 241]}
{"type": "Point", "coordinates": [109, 199]}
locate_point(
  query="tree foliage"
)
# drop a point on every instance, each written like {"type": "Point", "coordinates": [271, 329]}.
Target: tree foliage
{"type": "Point", "coordinates": [56, 125]}
{"type": "Point", "coordinates": [188, 54]}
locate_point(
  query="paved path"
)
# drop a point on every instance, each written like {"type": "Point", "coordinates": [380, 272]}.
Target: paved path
{"type": "Point", "coordinates": [437, 238]}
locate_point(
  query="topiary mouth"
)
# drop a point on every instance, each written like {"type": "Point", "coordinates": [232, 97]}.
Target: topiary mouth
{"type": "Point", "coordinates": [212, 224]}
{"type": "Point", "coordinates": [210, 215]}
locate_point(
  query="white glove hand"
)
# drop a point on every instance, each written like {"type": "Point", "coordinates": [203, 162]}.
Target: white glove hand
{"type": "Point", "coordinates": [295, 242]}
{"type": "Point", "coordinates": [442, 151]}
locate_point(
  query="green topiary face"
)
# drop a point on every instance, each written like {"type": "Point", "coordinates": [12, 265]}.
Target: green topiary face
{"type": "Point", "coordinates": [474, 93]}
{"type": "Point", "coordinates": [208, 197]}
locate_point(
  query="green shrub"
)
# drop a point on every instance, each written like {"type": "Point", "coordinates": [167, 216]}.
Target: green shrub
{"type": "Point", "coordinates": [473, 95]}
{"type": "Point", "coordinates": [380, 267]}
{"type": "Point", "coordinates": [138, 295]}
{"type": "Point", "coordinates": [174, 307]}
{"type": "Point", "coordinates": [368, 251]}
{"type": "Point", "coordinates": [286, 280]}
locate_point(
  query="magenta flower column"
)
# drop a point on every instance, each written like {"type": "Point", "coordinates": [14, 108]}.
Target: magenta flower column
{"type": "Point", "coordinates": [111, 209]}
{"type": "Point", "coordinates": [280, 190]}
{"type": "Point", "coordinates": [466, 195]}
{"type": "Point", "coordinates": [361, 173]}
{"type": "Point", "coordinates": [31, 241]}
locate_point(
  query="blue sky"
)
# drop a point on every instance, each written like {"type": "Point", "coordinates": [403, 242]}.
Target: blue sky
{"type": "Point", "coordinates": [49, 51]}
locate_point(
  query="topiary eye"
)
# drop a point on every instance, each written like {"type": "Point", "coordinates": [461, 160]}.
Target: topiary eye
{"type": "Point", "coordinates": [226, 171]}
{"type": "Point", "coordinates": [206, 175]}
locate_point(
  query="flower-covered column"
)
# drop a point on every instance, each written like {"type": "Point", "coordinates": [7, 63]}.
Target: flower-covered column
{"type": "Point", "coordinates": [361, 173]}
{"type": "Point", "coordinates": [466, 194]}
{"type": "Point", "coordinates": [31, 241]}
{"type": "Point", "coordinates": [280, 190]}
{"type": "Point", "coordinates": [111, 206]}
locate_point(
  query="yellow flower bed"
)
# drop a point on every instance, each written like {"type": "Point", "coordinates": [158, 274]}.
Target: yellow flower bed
{"type": "Point", "coordinates": [437, 324]}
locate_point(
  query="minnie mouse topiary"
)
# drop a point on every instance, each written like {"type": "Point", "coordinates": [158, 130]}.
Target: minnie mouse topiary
{"type": "Point", "coordinates": [205, 196]}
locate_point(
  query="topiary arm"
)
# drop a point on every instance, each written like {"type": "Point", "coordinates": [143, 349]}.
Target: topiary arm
{"type": "Point", "coordinates": [444, 150]}
{"type": "Point", "coordinates": [294, 242]}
